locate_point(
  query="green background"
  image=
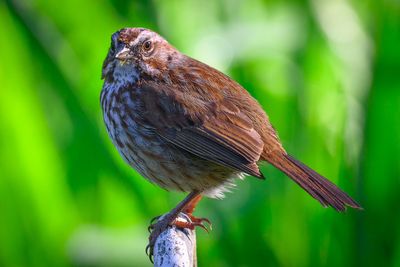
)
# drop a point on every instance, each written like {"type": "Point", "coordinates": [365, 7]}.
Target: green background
{"type": "Point", "coordinates": [327, 73]}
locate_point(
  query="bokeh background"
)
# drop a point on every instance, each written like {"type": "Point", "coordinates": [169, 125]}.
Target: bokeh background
{"type": "Point", "coordinates": [327, 72]}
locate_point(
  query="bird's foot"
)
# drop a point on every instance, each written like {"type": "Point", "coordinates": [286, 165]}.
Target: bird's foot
{"type": "Point", "coordinates": [191, 222]}
{"type": "Point", "coordinates": [157, 225]}
{"type": "Point", "coordinates": [160, 223]}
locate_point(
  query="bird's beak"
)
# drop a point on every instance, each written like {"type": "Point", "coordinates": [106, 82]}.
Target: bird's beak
{"type": "Point", "coordinates": [124, 54]}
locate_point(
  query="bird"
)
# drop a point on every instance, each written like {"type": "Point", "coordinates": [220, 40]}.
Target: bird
{"type": "Point", "coordinates": [188, 127]}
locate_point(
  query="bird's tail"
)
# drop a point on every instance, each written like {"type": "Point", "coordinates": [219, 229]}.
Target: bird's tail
{"type": "Point", "coordinates": [320, 188]}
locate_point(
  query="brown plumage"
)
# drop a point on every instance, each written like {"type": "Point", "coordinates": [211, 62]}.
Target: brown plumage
{"type": "Point", "coordinates": [186, 126]}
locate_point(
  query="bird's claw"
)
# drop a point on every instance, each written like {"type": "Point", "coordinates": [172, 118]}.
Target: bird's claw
{"type": "Point", "coordinates": [163, 222]}
{"type": "Point", "coordinates": [148, 251]}
{"type": "Point", "coordinates": [192, 222]}
{"type": "Point", "coordinates": [152, 223]}
{"type": "Point", "coordinates": [155, 219]}
{"type": "Point", "coordinates": [202, 221]}
{"type": "Point", "coordinates": [155, 229]}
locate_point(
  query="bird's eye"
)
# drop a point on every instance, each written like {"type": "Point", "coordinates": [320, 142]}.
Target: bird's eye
{"type": "Point", "coordinates": [147, 46]}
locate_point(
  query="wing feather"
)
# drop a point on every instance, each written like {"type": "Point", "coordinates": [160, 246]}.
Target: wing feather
{"type": "Point", "coordinates": [215, 131]}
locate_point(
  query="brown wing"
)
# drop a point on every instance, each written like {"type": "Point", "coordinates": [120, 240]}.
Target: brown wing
{"type": "Point", "coordinates": [215, 131]}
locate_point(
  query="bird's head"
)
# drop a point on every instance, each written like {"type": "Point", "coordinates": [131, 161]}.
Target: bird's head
{"type": "Point", "coordinates": [136, 51]}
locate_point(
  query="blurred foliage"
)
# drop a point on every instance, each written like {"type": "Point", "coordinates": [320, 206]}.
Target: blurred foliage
{"type": "Point", "coordinates": [327, 72]}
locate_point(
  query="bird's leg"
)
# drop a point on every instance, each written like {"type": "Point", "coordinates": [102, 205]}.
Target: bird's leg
{"type": "Point", "coordinates": [193, 221]}
{"type": "Point", "coordinates": [186, 207]}
{"type": "Point", "coordinates": [191, 205]}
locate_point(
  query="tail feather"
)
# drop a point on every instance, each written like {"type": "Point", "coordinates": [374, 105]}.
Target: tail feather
{"type": "Point", "coordinates": [320, 188]}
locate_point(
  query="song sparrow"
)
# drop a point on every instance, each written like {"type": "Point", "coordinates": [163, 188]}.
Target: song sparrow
{"type": "Point", "coordinates": [188, 127]}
